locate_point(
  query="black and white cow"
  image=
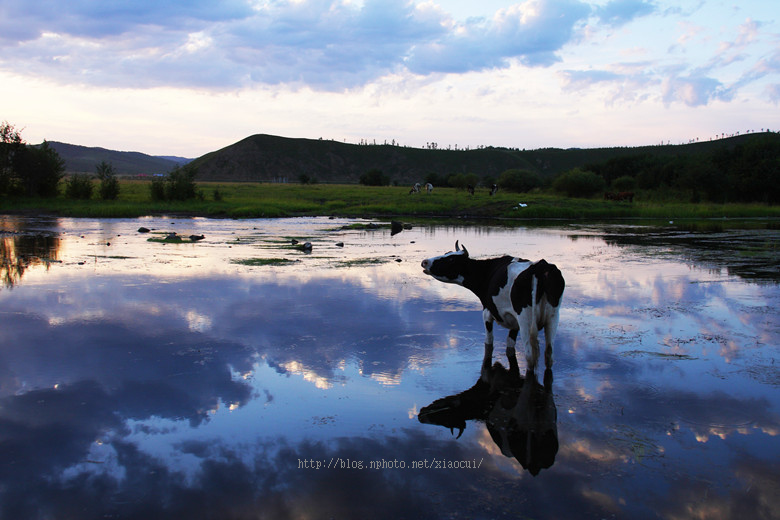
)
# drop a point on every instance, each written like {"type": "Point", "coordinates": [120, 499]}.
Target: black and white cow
{"type": "Point", "coordinates": [521, 295]}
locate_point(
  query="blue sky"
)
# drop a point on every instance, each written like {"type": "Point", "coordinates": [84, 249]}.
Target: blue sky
{"type": "Point", "coordinates": [188, 77]}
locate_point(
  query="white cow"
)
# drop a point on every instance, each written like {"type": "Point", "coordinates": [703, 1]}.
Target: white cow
{"type": "Point", "coordinates": [521, 295]}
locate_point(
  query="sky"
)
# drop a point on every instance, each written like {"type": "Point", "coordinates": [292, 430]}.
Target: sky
{"type": "Point", "coordinates": [187, 77]}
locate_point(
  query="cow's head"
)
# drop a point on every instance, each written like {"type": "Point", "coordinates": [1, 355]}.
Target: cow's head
{"type": "Point", "coordinates": [449, 267]}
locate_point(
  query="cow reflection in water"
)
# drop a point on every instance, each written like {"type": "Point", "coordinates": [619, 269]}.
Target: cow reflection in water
{"type": "Point", "coordinates": [519, 413]}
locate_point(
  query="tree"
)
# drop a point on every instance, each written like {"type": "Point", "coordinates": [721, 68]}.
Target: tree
{"type": "Point", "coordinates": [79, 186]}
{"type": "Point", "coordinates": [179, 184]}
{"type": "Point", "coordinates": [109, 185]}
{"type": "Point", "coordinates": [624, 183]}
{"type": "Point", "coordinates": [462, 180]}
{"type": "Point", "coordinates": [436, 179]}
{"type": "Point", "coordinates": [40, 169]}
{"type": "Point", "coordinates": [520, 181]}
{"type": "Point", "coordinates": [579, 183]}
{"type": "Point", "coordinates": [11, 148]}
{"type": "Point", "coordinates": [157, 189]}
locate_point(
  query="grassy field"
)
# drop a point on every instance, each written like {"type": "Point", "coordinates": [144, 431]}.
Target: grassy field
{"type": "Point", "coordinates": [251, 200]}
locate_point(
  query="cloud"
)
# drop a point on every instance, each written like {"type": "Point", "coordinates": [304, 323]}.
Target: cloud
{"type": "Point", "coordinates": [700, 86]}
{"type": "Point", "coordinates": [694, 90]}
{"type": "Point", "coordinates": [337, 45]}
{"type": "Point", "coordinates": [627, 82]}
{"type": "Point", "coordinates": [692, 81]}
{"type": "Point", "coordinates": [89, 19]}
{"type": "Point", "coordinates": [531, 32]}
{"type": "Point", "coordinates": [620, 12]}
{"type": "Point", "coordinates": [636, 82]}
{"type": "Point", "coordinates": [324, 44]}
{"type": "Point", "coordinates": [583, 79]}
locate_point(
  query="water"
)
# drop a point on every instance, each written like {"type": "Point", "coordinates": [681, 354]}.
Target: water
{"type": "Point", "coordinates": [150, 380]}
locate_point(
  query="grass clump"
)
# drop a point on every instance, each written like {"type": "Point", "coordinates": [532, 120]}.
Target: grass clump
{"type": "Point", "coordinates": [257, 262]}
{"type": "Point", "coordinates": [361, 262]}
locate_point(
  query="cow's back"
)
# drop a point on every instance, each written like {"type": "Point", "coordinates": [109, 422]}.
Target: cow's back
{"type": "Point", "coordinates": [537, 281]}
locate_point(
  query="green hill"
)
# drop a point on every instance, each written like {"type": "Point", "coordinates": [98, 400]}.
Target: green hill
{"type": "Point", "coordinates": [270, 158]}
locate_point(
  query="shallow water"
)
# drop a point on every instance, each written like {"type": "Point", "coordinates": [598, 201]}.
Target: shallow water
{"type": "Point", "coordinates": [149, 380]}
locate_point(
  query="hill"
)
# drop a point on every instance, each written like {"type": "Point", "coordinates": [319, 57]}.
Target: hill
{"type": "Point", "coordinates": [271, 158]}
{"type": "Point", "coordinates": [83, 159]}
{"type": "Point", "coordinates": [268, 158]}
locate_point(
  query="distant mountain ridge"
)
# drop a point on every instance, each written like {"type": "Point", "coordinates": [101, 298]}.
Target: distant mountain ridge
{"type": "Point", "coordinates": [271, 158]}
{"type": "Point", "coordinates": [268, 158]}
{"type": "Point", "coordinates": [84, 159]}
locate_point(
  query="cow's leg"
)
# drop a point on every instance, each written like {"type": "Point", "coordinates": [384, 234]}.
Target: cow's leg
{"type": "Point", "coordinates": [549, 336]}
{"type": "Point", "coordinates": [487, 359]}
{"type": "Point", "coordinates": [511, 341]}
{"type": "Point", "coordinates": [487, 318]}
{"type": "Point", "coordinates": [548, 380]}
{"type": "Point", "coordinates": [532, 348]}
{"type": "Point", "coordinates": [528, 337]}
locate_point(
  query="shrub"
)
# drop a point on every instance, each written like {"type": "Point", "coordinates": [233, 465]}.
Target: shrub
{"type": "Point", "coordinates": [462, 180]}
{"type": "Point", "coordinates": [179, 184]}
{"type": "Point", "coordinates": [109, 185]}
{"type": "Point", "coordinates": [624, 183]}
{"type": "Point", "coordinates": [519, 181]}
{"type": "Point", "coordinates": [374, 177]}
{"type": "Point", "coordinates": [79, 186]}
{"type": "Point", "coordinates": [157, 189]}
{"type": "Point", "coordinates": [579, 183]}
{"type": "Point", "coordinates": [435, 179]}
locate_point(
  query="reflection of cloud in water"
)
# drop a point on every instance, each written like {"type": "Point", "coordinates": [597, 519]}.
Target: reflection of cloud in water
{"type": "Point", "coordinates": [198, 322]}
{"type": "Point", "coordinates": [296, 367]}
{"type": "Point", "coordinates": [173, 385]}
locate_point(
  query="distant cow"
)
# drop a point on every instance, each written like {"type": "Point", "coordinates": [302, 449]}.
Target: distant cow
{"type": "Point", "coordinates": [470, 189]}
{"type": "Point", "coordinates": [429, 187]}
{"type": "Point", "coordinates": [415, 188]}
{"type": "Point", "coordinates": [521, 295]}
{"type": "Point", "coordinates": [493, 189]}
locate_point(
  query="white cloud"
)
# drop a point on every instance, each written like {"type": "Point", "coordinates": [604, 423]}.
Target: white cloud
{"type": "Point", "coordinates": [326, 44]}
{"type": "Point", "coordinates": [450, 71]}
{"type": "Point", "coordinates": [693, 90]}
{"type": "Point", "coordinates": [531, 32]}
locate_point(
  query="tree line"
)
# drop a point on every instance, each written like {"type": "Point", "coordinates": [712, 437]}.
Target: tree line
{"type": "Point", "coordinates": [37, 171]}
{"type": "Point", "coordinates": [746, 172]}
{"type": "Point", "coordinates": [34, 171]}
